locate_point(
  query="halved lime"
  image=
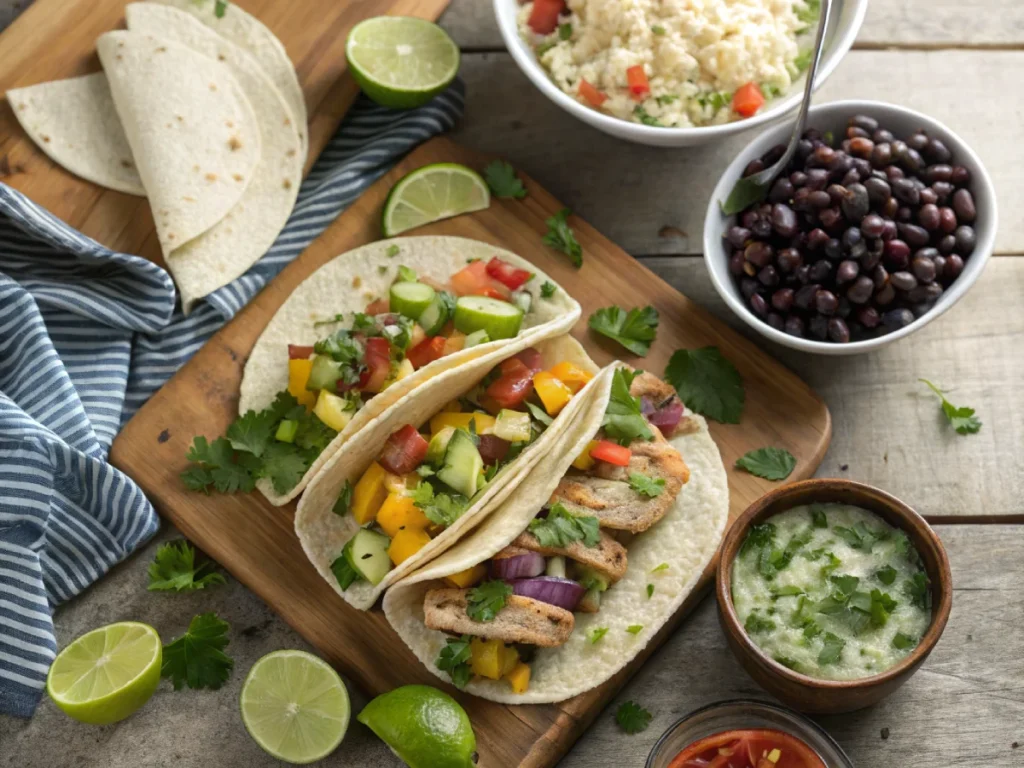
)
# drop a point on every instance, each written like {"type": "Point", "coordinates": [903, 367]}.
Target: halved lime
{"type": "Point", "coordinates": [425, 727]}
{"type": "Point", "coordinates": [400, 61]}
{"type": "Point", "coordinates": [295, 706]}
{"type": "Point", "coordinates": [107, 674]}
{"type": "Point", "coordinates": [431, 193]}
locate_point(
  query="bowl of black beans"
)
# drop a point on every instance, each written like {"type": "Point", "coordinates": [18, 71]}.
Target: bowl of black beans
{"type": "Point", "coordinates": [882, 220]}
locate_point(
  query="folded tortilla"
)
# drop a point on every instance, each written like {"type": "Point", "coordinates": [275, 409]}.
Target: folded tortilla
{"type": "Point", "coordinates": [237, 241]}
{"type": "Point", "coordinates": [686, 539]}
{"type": "Point", "coordinates": [323, 533]}
{"type": "Point", "coordinates": [347, 284]}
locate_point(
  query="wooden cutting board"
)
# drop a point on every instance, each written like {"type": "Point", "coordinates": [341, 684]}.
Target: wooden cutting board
{"type": "Point", "coordinates": [256, 542]}
{"type": "Point", "coordinates": [56, 39]}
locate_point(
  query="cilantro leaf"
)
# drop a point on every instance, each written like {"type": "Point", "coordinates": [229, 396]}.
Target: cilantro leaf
{"type": "Point", "coordinates": [252, 431]}
{"type": "Point", "coordinates": [635, 629]}
{"type": "Point", "coordinates": [756, 623]}
{"type": "Point", "coordinates": [882, 605]}
{"type": "Point", "coordinates": [454, 659]}
{"type": "Point", "coordinates": [818, 517]}
{"type": "Point", "coordinates": [197, 478]}
{"type": "Point", "coordinates": [284, 467]}
{"type": "Point", "coordinates": [406, 275]}
{"type": "Point", "coordinates": [662, 567]}
{"type": "Point", "coordinates": [564, 31]}
{"type": "Point", "coordinates": [650, 591]}
{"type": "Point", "coordinates": [886, 575]}
{"type": "Point", "coordinates": [707, 383]}
{"type": "Point", "coordinates": [646, 118]}
{"type": "Point", "coordinates": [648, 486]}
{"type": "Point", "coordinates": [392, 251]}
{"type": "Point", "coordinates": [220, 7]}
{"type": "Point", "coordinates": [501, 178]}
{"type": "Point", "coordinates": [632, 718]}
{"type": "Point", "coordinates": [197, 658]}
{"type": "Point", "coordinates": [635, 330]}
{"type": "Point", "coordinates": [174, 568]}
{"type": "Point", "coordinates": [561, 528]}
{"type": "Point", "coordinates": [962, 419]}
{"type": "Point", "coordinates": [343, 570]}
{"type": "Point", "coordinates": [769, 463]}
{"type": "Point", "coordinates": [714, 99]}
{"type": "Point", "coordinates": [916, 588]}
{"type": "Point", "coordinates": [901, 641]}
{"type": "Point", "coordinates": [832, 649]}
{"type": "Point", "coordinates": [344, 499]}
{"type": "Point", "coordinates": [658, 29]}
{"type": "Point", "coordinates": [440, 508]}
{"type": "Point", "coordinates": [484, 602]}
{"type": "Point", "coordinates": [623, 417]}
{"type": "Point", "coordinates": [596, 633]}
{"type": "Point", "coordinates": [561, 237]}
{"type": "Point", "coordinates": [547, 289]}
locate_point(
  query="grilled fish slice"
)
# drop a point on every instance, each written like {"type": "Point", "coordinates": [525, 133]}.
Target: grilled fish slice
{"type": "Point", "coordinates": [522, 620]}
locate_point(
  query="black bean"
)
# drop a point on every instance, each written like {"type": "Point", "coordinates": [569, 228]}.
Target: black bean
{"type": "Point", "coordinates": [897, 254]}
{"type": "Point", "coordinates": [954, 266]}
{"type": "Point", "coordinates": [871, 257]}
{"type": "Point", "coordinates": [852, 177]}
{"type": "Point", "coordinates": [798, 178]}
{"type": "Point", "coordinates": [905, 191]}
{"type": "Point", "coordinates": [820, 271]}
{"type": "Point", "coordinates": [803, 149]}
{"type": "Point", "coordinates": [736, 262]}
{"type": "Point", "coordinates": [961, 176]}
{"type": "Point", "coordinates": [946, 245]}
{"type": "Point", "coordinates": [838, 331]}
{"type": "Point", "coordinates": [903, 281]}
{"type": "Point", "coordinates": [928, 196]}
{"type": "Point", "coordinates": [864, 122]}
{"type": "Point", "coordinates": [868, 317]}
{"type": "Point", "coordinates": [833, 250]}
{"type": "Point", "coordinates": [885, 295]}
{"type": "Point", "coordinates": [918, 141]}
{"type": "Point", "coordinates": [749, 286]}
{"type": "Point", "coordinates": [826, 302]}
{"type": "Point", "coordinates": [788, 259]}
{"type": "Point", "coordinates": [963, 205]}
{"type": "Point", "coordinates": [890, 208]}
{"type": "Point", "coordinates": [830, 217]}
{"type": "Point", "coordinates": [942, 189]}
{"type": "Point", "coordinates": [893, 172]}
{"type": "Point", "coordinates": [819, 199]}
{"type": "Point", "coordinates": [861, 290]}
{"type": "Point", "coordinates": [816, 239]}
{"type": "Point", "coordinates": [855, 202]}
{"type": "Point", "coordinates": [817, 178]}
{"type": "Point", "coordinates": [937, 152]}
{"type": "Point", "coordinates": [773, 155]}
{"type": "Point", "coordinates": [845, 307]}
{"type": "Point", "coordinates": [940, 266]}
{"type": "Point", "coordinates": [754, 166]}
{"type": "Point", "coordinates": [782, 190]}
{"type": "Point", "coordinates": [899, 149]}
{"type": "Point", "coordinates": [878, 190]}
{"type": "Point", "coordinates": [925, 293]}
{"type": "Point", "coordinates": [759, 305]}
{"type": "Point", "coordinates": [738, 236]}
{"type": "Point", "coordinates": [898, 318]}
{"type": "Point", "coordinates": [803, 274]}
{"type": "Point", "coordinates": [881, 155]}
{"type": "Point", "coordinates": [872, 225]}
{"type": "Point", "coordinates": [782, 299]}
{"type": "Point", "coordinates": [947, 219]}
{"type": "Point", "coordinates": [749, 217]}
{"type": "Point", "coordinates": [889, 230]}
{"type": "Point", "coordinates": [768, 276]}
{"type": "Point", "coordinates": [776, 321]}
{"type": "Point", "coordinates": [928, 252]}
{"type": "Point", "coordinates": [794, 326]}
{"type": "Point", "coordinates": [913, 235]}
{"type": "Point", "coordinates": [861, 147]}
{"type": "Point", "coordinates": [904, 214]}
{"type": "Point", "coordinates": [822, 156]}
{"type": "Point", "coordinates": [880, 276]}
{"type": "Point", "coordinates": [784, 220]}
{"type": "Point", "coordinates": [818, 327]}
{"type": "Point", "coordinates": [882, 135]}
{"type": "Point", "coordinates": [758, 253]}
{"type": "Point", "coordinates": [965, 240]}
{"type": "Point", "coordinates": [853, 132]}
{"type": "Point", "coordinates": [800, 198]}
{"type": "Point", "coordinates": [923, 267]}
{"type": "Point", "coordinates": [804, 296]}
{"type": "Point", "coordinates": [847, 271]}
{"type": "Point", "coordinates": [939, 172]}
{"type": "Point", "coordinates": [762, 227]}
{"type": "Point", "coordinates": [928, 216]}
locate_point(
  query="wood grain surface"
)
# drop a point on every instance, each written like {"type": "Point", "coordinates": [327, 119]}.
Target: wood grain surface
{"type": "Point", "coordinates": [202, 399]}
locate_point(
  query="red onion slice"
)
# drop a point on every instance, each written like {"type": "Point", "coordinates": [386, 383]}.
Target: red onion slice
{"type": "Point", "coordinates": [667, 418]}
{"type": "Point", "coordinates": [518, 567]}
{"type": "Point", "coordinates": [565, 593]}
{"type": "Point", "coordinates": [646, 406]}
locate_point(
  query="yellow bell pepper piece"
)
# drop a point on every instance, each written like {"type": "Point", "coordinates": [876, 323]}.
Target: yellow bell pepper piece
{"type": "Point", "coordinates": [406, 543]}
{"type": "Point", "coordinates": [511, 659]}
{"type": "Point", "coordinates": [468, 578]}
{"type": "Point", "coordinates": [298, 375]}
{"type": "Point", "coordinates": [369, 494]}
{"type": "Point", "coordinates": [552, 392]}
{"type": "Point", "coordinates": [585, 461]}
{"type": "Point", "coordinates": [455, 342]}
{"type": "Point", "coordinates": [398, 512]}
{"type": "Point", "coordinates": [401, 484]}
{"type": "Point", "coordinates": [570, 374]}
{"type": "Point", "coordinates": [336, 412]}
{"type": "Point", "coordinates": [484, 422]}
{"type": "Point", "coordinates": [486, 657]}
{"type": "Point", "coordinates": [519, 678]}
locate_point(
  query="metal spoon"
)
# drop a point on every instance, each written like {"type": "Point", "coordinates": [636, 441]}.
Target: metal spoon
{"type": "Point", "coordinates": [754, 188]}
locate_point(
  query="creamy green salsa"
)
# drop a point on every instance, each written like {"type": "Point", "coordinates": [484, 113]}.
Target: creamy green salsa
{"type": "Point", "coordinates": [831, 591]}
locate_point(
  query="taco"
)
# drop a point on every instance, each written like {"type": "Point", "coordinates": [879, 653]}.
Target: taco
{"type": "Point", "coordinates": [373, 325]}
{"type": "Point", "coordinates": [567, 580]}
{"type": "Point", "coordinates": [431, 466]}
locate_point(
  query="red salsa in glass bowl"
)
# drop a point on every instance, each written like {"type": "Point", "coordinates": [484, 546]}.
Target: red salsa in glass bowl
{"type": "Point", "coordinates": [752, 748]}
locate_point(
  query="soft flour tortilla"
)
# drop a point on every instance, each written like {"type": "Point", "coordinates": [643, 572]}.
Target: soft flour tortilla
{"type": "Point", "coordinates": [236, 242]}
{"type": "Point", "coordinates": [75, 123]}
{"type": "Point", "coordinates": [248, 32]}
{"type": "Point", "coordinates": [347, 284]}
{"type": "Point", "coordinates": [192, 131]}
{"type": "Point", "coordinates": [323, 533]}
{"type": "Point", "coordinates": [686, 538]}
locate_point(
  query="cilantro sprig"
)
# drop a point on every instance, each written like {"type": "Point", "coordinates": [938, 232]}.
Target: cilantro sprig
{"type": "Point", "coordinates": [485, 601]}
{"type": "Point", "coordinates": [440, 508]}
{"type": "Point", "coordinates": [647, 486]}
{"type": "Point", "coordinates": [454, 659]}
{"type": "Point", "coordinates": [561, 528]}
{"type": "Point", "coordinates": [708, 383]}
{"type": "Point", "coordinates": [961, 419]}
{"type": "Point", "coordinates": [623, 417]}
{"type": "Point", "coordinates": [632, 718]}
{"type": "Point", "coordinates": [174, 569]}
{"type": "Point", "coordinates": [561, 237]}
{"type": "Point", "coordinates": [634, 330]}
{"type": "Point", "coordinates": [502, 180]}
{"type": "Point", "coordinates": [769, 462]}
{"type": "Point", "coordinates": [197, 658]}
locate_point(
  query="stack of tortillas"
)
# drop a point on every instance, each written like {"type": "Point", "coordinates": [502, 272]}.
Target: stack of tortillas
{"type": "Point", "coordinates": [200, 113]}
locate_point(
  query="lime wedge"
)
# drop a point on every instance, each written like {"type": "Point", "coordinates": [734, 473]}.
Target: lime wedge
{"type": "Point", "coordinates": [295, 706]}
{"type": "Point", "coordinates": [432, 193]}
{"type": "Point", "coordinates": [399, 61]}
{"type": "Point", "coordinates": [107, 674]}
{"type": "Point", "coordinates": [424, 726]}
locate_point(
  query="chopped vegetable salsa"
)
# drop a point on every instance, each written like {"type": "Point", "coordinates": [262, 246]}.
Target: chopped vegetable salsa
{"type": "Point", "coordinates": [757, 748]}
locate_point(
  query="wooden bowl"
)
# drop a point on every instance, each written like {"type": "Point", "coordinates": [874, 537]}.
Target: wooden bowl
{"type": "Point", "coordinates": [809, 694]}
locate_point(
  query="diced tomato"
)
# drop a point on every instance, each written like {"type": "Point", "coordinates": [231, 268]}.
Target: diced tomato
{"type": "Point", "coordinates": [613, 453]}
{"type": "Point", "coordinates": [427, 351]}
{"type": "Point", "coordinates": [473, 280]}
{"type": "Point", "coordinates": [531, 358]}
{"type": "Point", "coordinates": [492, 448]}
{"type": "Point", "coordinates": [593, 96]}
{"type": "Point", "coordinates": [637, 80]}
{"type": "Point", "coordinates": [378, 307]}
{"type": "Point", "coordinates": [299, 352]}
{"type": "Point", "coordinates": [514, 385]}
{"type": "Point", "coordinates": [511, 277]}
{"type": "Point", "coordinates": [378, 364]}
{"type": "Point", "coordinates": [544, 16]}
{"type": "Point", "coordinates": [494, 291]}
{"type": "Point", "coordinates": [747, 99]}
{"type": "Point", "coordinates": [404, 451]}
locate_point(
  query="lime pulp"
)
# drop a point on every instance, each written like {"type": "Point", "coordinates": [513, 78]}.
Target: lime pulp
{"type": "Point", "coordinates": [431, 193]}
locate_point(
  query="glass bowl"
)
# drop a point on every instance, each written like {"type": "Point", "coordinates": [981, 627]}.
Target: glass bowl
{"type": "Point", "coordinates": [740, 714]}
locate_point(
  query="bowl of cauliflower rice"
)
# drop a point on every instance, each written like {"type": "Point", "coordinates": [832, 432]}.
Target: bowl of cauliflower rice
{"type": "Point", "coordinates": [674, 72]}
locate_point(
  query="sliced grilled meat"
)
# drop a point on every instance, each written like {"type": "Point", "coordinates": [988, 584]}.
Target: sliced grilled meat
{"type": "Point", "coordinates": [522, 620]}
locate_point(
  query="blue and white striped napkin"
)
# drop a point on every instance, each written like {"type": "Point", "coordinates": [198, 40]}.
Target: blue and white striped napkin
{"type": "Point", "coordinates": [86, 336]}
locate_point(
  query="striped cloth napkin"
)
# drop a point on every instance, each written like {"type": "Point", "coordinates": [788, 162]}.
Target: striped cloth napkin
{"type": "Point", "coordinates": [86, 336]}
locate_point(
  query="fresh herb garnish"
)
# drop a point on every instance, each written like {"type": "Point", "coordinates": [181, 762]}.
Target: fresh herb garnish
{"type": "Point", "coordinates": [547, 289]}
{"type": "Point", "coordinates": [344, 499]}
{"type": "Point", "coordinates": [650, 591]}
{"type": "Point", "coordinates": [770, 91]}
{"type": "Point", "coordinates": [647, 486]}
{"type": "Point", "coordinates": [623, 417]}
{"type": "Point", "coordinates": [786, 661]}
{"type": "Point", "coordinates": [666, 98]}
{"type": "Point", "coordinates": [818, 518]}
{"type": "Point", "coordinates": [197, 658]}
{"type": "Point", "coordinates": [962, 419]}
{"type": "Point", "coordinates": [484, 602]}
{"type": "Point", "coordinates": [440, 508]}
{"type": "Point", "coordinates": [707, 383]}
{"type": "Point", "coordinates": [916, 588]}
{"type": "Point", "coordinates": [632, 718]}
{"type": "Point", "coordinates": [343, 570]}
{"type": "Point", "coordinates": [662, 567]}
{"type": "Point", "coordinates": [646, 118]}
{"type": "Point", "coordinates": [657, 29]}
{"type": "Point", "coordinates": [220, 7]}
{"type": "Point", "coordinates": [714, 99]}
{"type": "Point", "coordinates": [392, 251]}
{"type": "Point", "coordinates": [810, 12]}
{"type": "Point", "coordinates": [858, 537]}
{"type": "Point", "coordinates": [561, 528]}
{"type": "Point", "coordinates": [756, 623]}
{"type": "Point", "coordinates": [846, 584]}
{"type": "Point", "coordinates": [635, 629]}
{"type": "Point", "coordinates": [543, 48]}
{"type": "Point", "coordinates": [454, 659]}
{"type": "Point", "coordinates": [634, 330]}
{"type": "Point", "coordinates": [564, 31]}
{"type": "Point", "coordinates": [832, 650]}
{"type": "Point", "coordinates": [901, 641]}
{"type": "Point", "coordinates": [790, 590]}
{"type": "Point", "coordinates": [502, 180]}
{"type": "Point", "coordinates": [406, 275]}
{"type": "Point", "coordinates": [561, 237]}
{"type": "Point", "coordinates": [174, 568]}
{"type": "Point", "coordinates": [769, 462]}
{"type": "Point", "coordinates": [886, 575]}
{"type": "Point", "coordinates": [539, 414]}
{"type": "Point", "coordinates": [596, 633]}
{"type": "Point", "coordinates": [803, 60]}
{"type": "Point", "coordinates": [882, 605]}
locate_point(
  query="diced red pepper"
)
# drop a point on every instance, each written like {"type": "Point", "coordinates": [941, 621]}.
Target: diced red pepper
{"type": "Point", "coordinates": [747, 100]}
{"type": "Point", "coordinates": [378, 307]}
{"type": "Point", "coordinates": [511, 277]}
{"type": "Point", "coordinates": [531, 358]}
{"type": "Point", "coordinates": [427, 351]}
{"type": "Point", "coordinates": [639, 87]}
{"type": "Point", "coordinates": [492, 448]}
{"type": "Point", "coordinates": [593, 96]}
{"type": "Point", "coordinates": [377, 359]}
{"type": "Point", "coordinates": [514, 385]}
{"type": "Point", "coordinates": [299, 352]}
{"type": "Point", "coordinates": [404, 451]}
{"type": "Point", "coordinates": [613, 453]}
{"type": "Point", "coordinates": [544, 16]}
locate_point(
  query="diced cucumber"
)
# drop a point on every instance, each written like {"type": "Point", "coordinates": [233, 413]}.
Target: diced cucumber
{"type": "Point", "coordinates": [475, 338]}
{"type": "Point", "coordinates": [438, 446]}
{"type": "Point", "coordinates": [500, 319]}
{"type": "Point", "coordinates": [462, 464]}
{"type": "Point", "coordinates": [410, 299]}
{"type": "Point", "coordinates": [324, 374]}
{"type": "Point", "coordinates": [367, 553]}
{"type": "Point", "coordinates": [590, 602]}
{"type": "Point", "coordinates": [514, 426]}
{"type": "Point", "coordinates": [286, 431]}
{"type": "Point", "coordinates": [523, 300]}
{"type": "Point", "coordinates": [555, 567]}
{"type": "Point", "coordinates": [435, 316]}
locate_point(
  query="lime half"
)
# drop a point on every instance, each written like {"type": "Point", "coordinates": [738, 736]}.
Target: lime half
{"type": "Point", "coordinates": [295, 706]}
{"type": "Point", "coordinates": [107, 674]}
{"type": "Point", "coordinates": [432, 193]}
{"type": "Point", "coordinates": [400, 61]}
{"type": "Point", "coordinates": [425, 727]}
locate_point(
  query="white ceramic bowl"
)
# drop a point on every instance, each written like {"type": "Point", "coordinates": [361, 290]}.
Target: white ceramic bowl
{"type": "Point", "coordinates": [844, 24]}
{"type": "Point", "coordinates": [833, 117]}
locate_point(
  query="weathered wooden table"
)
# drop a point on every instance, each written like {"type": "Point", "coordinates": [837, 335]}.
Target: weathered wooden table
{"type": "Point", "coordinates": [963, 63]}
